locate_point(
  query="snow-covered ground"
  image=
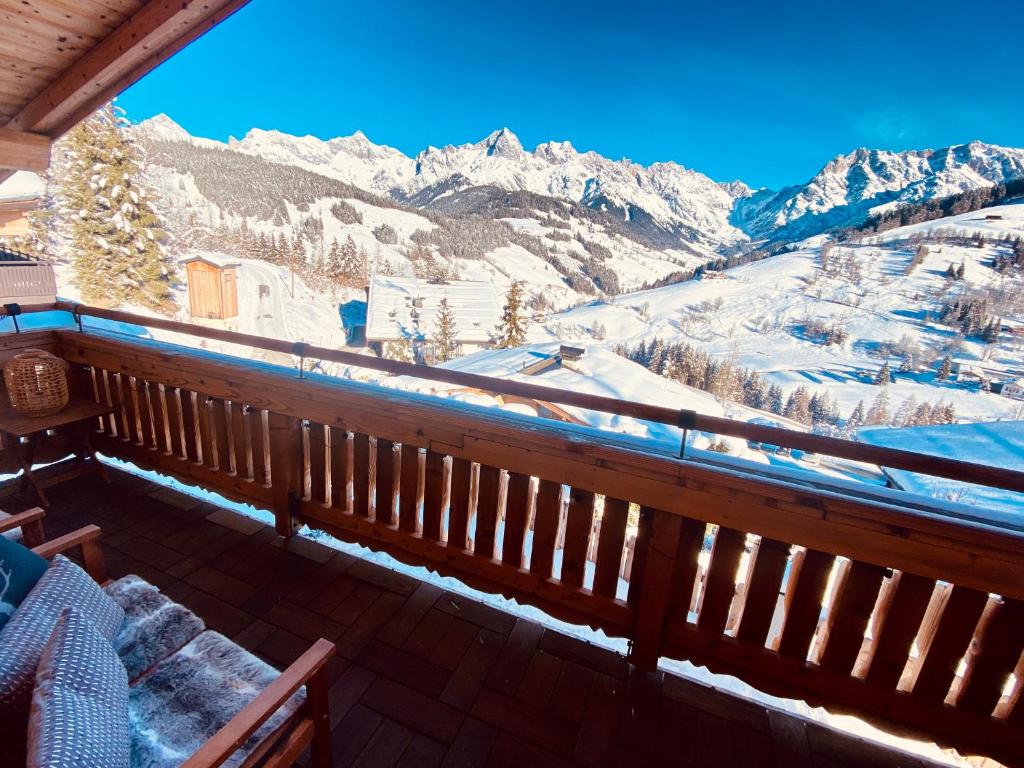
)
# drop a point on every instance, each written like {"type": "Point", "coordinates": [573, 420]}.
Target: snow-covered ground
{"type": "Point", "coordinates": [996, 444]}
{"type": "Point", "coordinates": [753, 315]}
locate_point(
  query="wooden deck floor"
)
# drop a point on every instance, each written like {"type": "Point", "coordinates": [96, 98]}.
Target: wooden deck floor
{"type": "Point", "coordinates": [424, 677]}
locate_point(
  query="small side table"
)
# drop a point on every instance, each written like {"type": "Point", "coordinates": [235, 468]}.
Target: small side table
{"type": "Point", "coordinates": [77, 420]}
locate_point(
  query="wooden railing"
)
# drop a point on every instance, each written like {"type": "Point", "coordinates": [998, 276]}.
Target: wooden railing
{"type": "Point", "coordinates": [856, 603]}
{"type": "Point", "coordinates": [939, 466]}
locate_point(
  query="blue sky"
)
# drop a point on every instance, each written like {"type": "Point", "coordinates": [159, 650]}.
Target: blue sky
{"type": "Point", "coordinates": [763, 92]}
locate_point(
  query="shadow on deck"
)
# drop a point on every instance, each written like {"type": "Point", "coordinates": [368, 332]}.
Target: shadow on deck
{"type": "Point", "coordinates": [425, 677]}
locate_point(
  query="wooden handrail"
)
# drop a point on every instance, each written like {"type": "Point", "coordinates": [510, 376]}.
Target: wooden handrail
{"type": "Point", "coordinates": [938, 466]}
{"type": "Point", "coordinates": [87, 538]}
{"type": "Point", "coordinates": [31, 523]}
{"type": "Point", "coordinates": [228, 739]}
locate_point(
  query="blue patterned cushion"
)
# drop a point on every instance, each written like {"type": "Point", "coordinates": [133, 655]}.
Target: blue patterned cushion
{"type": "Point", "coordinates": [20, 569]}
{"type": "Point", "coordinates": [79, 716]}
{"type": "Point", "coordinates": [23, 638]}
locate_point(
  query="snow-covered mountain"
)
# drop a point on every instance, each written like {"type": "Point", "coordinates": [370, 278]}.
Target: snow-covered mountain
{"type": "Point", "coordinates": [665, 203]}
{"type": "Point", "coordinates": [680, 202]}
{"type": "Point", "coordinates": [851, 187]}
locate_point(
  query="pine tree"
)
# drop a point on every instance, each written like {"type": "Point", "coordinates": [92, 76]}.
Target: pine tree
{"type": "Point", "coordinates": [922, 415]}
{"type": "Point", "coordinates": [352, 261]}
{"type": "Point", "coordinates": [445, 334]}
{"type": "Point", "coordinates": [798, 406]}
{"type": "Point", "coordinates": [114, 232]}
{"type": "Point", "coordinates": [512, 331]}
{"type": "Point", "coordinates": [878, 413]}
{"type": "Point", "coordinates": [946, 369]}
{"type": "Point", "coordinates": [948, 413]}
{"type": "Point", "coordinates": [335, 267]}
{"type": "Point", "coordinates": [884, 375]}
{"type": "Point", "coordinates": [904, 414]}
{"type": "Point", "coordinates": [262, 251]}
{"type": "Point", "coordinates": [775, 403]}
{"type": "Point", "coordinates": [856, 419]}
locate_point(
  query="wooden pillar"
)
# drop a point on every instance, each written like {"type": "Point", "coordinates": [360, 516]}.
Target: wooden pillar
{"type": "Point", "coordinates": [285, 469]}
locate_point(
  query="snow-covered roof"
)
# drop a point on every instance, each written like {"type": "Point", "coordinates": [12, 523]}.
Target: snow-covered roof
{"type": "Point", "coordinates": [407, 308]}
{"type": "Point", "coordinates": [213, 259]}
{"type": "Point", "coordinates": [598, 372]}
{"type": "Point", "coordinates": [993, 443]}
{"type": "Point", "coordinates": [22, 185]}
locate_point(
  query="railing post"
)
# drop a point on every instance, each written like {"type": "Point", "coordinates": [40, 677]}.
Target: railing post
{"type": "Point", "coordinates": [285, 469]}
{"type": "Point", "coordinates": [651, 583]}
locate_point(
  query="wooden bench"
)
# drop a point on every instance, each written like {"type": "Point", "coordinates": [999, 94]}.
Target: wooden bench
{"type": "Point", "coordinates": [310, 727]}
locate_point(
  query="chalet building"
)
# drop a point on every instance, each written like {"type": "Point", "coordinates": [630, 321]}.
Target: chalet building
{"type": "Point", "coordinates": [19, 196]}
{"type": "Point", "coordinates": [24, 280]}
{"type": "Point", "coordinates": [1013, 389]}
{"type": "Point", "coordinates": [965, 371]}
{"type": "Point", "coordinates": [214, 513]}
{"type": "Point", "coordinates": [403, 311]}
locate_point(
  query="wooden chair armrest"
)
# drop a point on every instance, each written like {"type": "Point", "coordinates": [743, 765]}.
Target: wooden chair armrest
{"type": "Point", "coordinates": [88, 539]}
{"type": "Point", "coordinates": [31, 523]}
{"type": "Point", "coordinates": [228, 739]}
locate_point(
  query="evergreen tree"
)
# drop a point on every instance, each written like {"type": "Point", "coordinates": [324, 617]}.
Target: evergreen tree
{"type": "Point", "coordinates": [114, 232]}
{"type": "Point", "coordinates": [262, 248]}
{"type": "Point", "coordinates": [335, 267]}
{"type": "Point", "coordinates": [878, 413]}
{"type": "Point", "coordinates": [856, 419]}
{"type": "Point", "coordinates": [948, 413]}
{"type": "Point", "coordinates": [904, 414]}
{"type": "Point", "coordinates": [775, 403]}
{"type": "Point", "coordinates": [798, 406]}
{"type": "Point", "coordinates": [946, 369]}
{"type": "Point", "coordinates": [923, 414]}
{"type": "Point", "coordinates": [512, 330]}
{"type": "Point", "coordinates": [352, 261]}
{"type": "Point", "coordinates": [445, 334]}
{"type": "Point", "coordinates": [884, 375]}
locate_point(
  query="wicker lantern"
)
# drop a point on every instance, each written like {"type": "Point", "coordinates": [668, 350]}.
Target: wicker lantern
{"type": "Point", "coordinates": [37, 382]}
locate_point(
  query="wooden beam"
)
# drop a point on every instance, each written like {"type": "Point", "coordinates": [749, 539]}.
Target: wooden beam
{"type": "Point", "coordinates": [23, 151]}
{"type": "Point", "coordinates": [156, 32]}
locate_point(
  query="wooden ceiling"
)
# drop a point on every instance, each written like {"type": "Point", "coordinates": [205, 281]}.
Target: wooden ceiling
{"type": "Point", "coordinates": [62, 59]}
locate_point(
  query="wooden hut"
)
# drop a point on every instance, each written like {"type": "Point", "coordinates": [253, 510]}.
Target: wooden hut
{"type": "Point", "coordinates": [212, 287]}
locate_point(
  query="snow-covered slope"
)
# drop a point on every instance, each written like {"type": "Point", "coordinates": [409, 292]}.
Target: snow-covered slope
{"type": "Point", "coordinates": [851, 187]}
{"type": "Point", "coordinates": [757, 315]}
